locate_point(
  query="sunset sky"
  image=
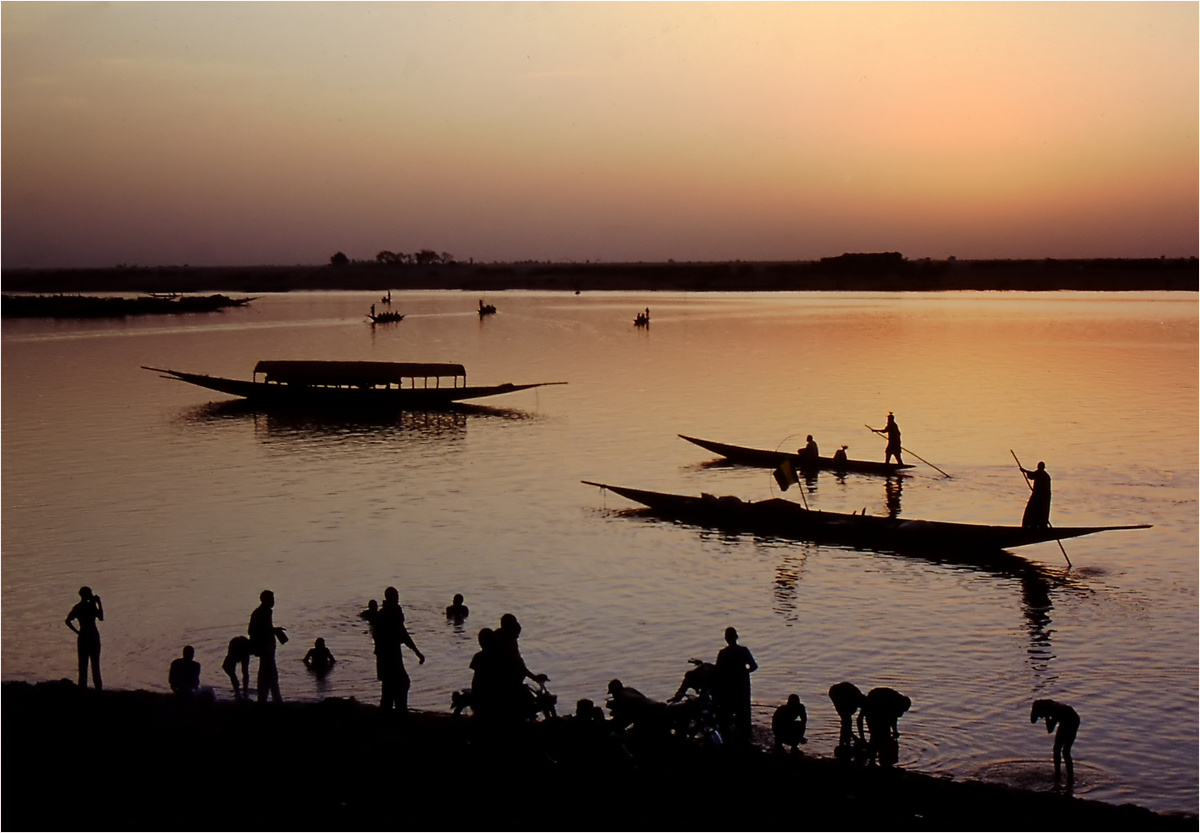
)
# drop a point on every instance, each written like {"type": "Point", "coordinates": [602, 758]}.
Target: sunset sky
{"type": "Point", "coordinates": [280, 133]}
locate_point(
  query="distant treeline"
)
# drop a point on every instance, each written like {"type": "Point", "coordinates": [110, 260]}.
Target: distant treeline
{"type": "Point", "coordinates": [880, 272]}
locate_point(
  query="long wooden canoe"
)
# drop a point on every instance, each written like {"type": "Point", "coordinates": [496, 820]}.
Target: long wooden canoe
{"type": "Point", "coordinates": [351, 386]}
{"type": "Point", "coordinates": [773, 459]}
{"type": "Point", "coordinates": [785, 519]}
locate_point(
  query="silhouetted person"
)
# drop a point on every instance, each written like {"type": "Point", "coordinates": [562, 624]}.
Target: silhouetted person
{"type": "Point", "coordinates": [515, 699]}
{"type": "Point", "coordinates": [735, 664]}
{"type": "Point", "coordinates": [319, 659]}
{"type": "Point", "coordinates": [882, 707]}
{"type": "Point", "coordinates": [390, 637]}
{"type": "Point", "coordinates": [893, 437]}
{"type": "Point", "coordinates": [1067, 720]}
{"type": "Point", "coordinates": [1037, 510]}
{"type": "Point", "coordinates": [839, 456]}
{"type": "Point", "coordinates": [809, 454]}
{"type": "Point", "coordinates": [263, 636]}
{"type": "Point", "coordinates": [486, 683]}
{"type": "Point", "coordinates": [87, 611]}
{"type": "Point", "coordinates": [847, 699]}
{"type": "Point", "coordinates": [789, 723]}
{"type": "Point", "coordinates": [457, 611]}
{"type": "Point", "coordinates": [238, 654]}
{"type": "Point", "coordinates": [184, 676]}
{"type": "Point", "coordinates": [703, 679]}
{"type": "Point", "coordinates": [628, 706]}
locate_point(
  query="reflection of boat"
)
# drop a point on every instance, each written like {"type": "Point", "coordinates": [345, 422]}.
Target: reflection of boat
{"type": "Point", "coordinates": [772, 459]}
{"type": "Point", "coordinates": [385, 317]}
{"type": "Point", "coordinates": [351, 386]}
{"type": "Point", "coordinates": [790, 520]}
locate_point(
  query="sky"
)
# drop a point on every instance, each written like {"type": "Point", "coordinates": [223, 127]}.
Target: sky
{"type": "Point", "coordinates": [228, 133]}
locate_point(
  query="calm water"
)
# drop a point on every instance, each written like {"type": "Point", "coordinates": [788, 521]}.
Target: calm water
{"type": "Point", "coordinates": [178, 512]}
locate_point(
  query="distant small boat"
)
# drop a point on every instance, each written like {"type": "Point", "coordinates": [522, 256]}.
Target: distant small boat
{"type": "Point", "coordinates": [486, 309]}
{"type": "Point", "coordinates": [351, 386]}
{"type": "Point", "coordinates": [642, 319]}
{"type": "Point", "coordinates": [763, 458]}
{"type": "Point", "coordinates": [385, 317]}
{"type": "Point", "coordinates": [785, 519]}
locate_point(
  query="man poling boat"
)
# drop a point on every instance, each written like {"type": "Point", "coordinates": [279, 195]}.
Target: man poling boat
{"type": "Point", "coordinates": [892, 430]}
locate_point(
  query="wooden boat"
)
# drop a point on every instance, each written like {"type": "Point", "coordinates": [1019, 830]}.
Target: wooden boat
{"type": "Point", "coordinates": [385, 317]}
{"type": "Point", "coordinates": [351, 386]}
{"type": "Point", "coordinates": [773, 459]}
{"type": "Point", "coordinates": [486, 309]}
{"type": "Point", "coordinates": [785, 519]}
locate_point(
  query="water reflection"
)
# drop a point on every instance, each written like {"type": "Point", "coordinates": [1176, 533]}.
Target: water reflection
{"type": "Point", "coordinates": [325, 426]}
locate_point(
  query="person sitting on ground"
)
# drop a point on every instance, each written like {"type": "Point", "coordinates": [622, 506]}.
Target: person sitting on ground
{"type": "Point", "coordinates": [184, 675]}
{"type": "Point", "coordinates": [881, 708]}
{"type": "Point", "coordinates": [238, 654]}
{"type": "Point", "coordinates": [1067, 721]}
{"type": "Point", "coordinates": [319, 659]}
{"type": "Point", "coordinates": [485, 682]}
{"type": "Point", "coordinates": [457, 610]}
{"type": "Point", "coordinates": [789, 724]}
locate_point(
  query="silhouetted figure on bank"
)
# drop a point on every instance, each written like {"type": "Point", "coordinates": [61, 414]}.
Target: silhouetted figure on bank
{"type": "Point", "coordinates": [514, 699]}
{"type": "Point", "coordinates": [184, 675]}
{"type": "Point", "coordinates": [486, 666]}
{"type": "Point", "coordinates": [703, 679]}
{"type": "Point", "coordinates": [847, 699]}
{"type": "Point", "coordinates": [809, 454]}
{"type": "Point", "coordinates": [263, 636]}
{"type": "Point", "coordinates": [87, 611]}
{"type": "Point", "coordinates": [238, 654]}
{"type": "Point", "coordinates": [893, 439]}
{"type": "Point", "coordinates": [1067, 720]}
{"type": "Point", "coordinates": [881, 709]}
{"type": "Point", "coordinates": [735, 664]}
{"type": "Point", "coordinates": [457, 611]}
{"type": "Point", "coordinates": [789, 724]}
{"type": "Point", "coordinates": [629, 707]}
{"type": "Point", "coordinates": [1037, 510]}
{"type": "Point", "coordinates": [319, 659]}
{"type": "Point", "coordinates": [390, 637]}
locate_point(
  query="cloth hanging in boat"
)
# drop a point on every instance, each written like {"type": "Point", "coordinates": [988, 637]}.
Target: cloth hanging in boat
{"type": "Point", "coordinates": [785, 475]}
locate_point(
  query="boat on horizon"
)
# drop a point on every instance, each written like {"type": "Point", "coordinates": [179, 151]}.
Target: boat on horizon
{"type": "Point", "coordinates": [785, 519]}
{"type": "Point", "coordinates": [351, 386]}
{"type": "Point", "coordinates": [762, 458]}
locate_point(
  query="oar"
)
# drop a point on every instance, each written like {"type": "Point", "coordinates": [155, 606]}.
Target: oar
{"type": "Point", "coordinates": [911, 453]}
{"type": "Point", "coordinates": [1030, 485]}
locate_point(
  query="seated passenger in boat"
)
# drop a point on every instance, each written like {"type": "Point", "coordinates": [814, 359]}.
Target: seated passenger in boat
{"type": "Point", "coordinates": [839, 456]}
{"type": "Point", "coordinates": [810, 454]}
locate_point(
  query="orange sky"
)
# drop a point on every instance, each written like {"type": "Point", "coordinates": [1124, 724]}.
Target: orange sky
{"type": "Point", "coordinates": [233, 133]}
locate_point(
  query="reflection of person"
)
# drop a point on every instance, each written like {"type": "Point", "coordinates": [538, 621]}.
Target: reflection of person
{"type": "Point", "coordinates": [735, 663]}
{"type": "Point", "coordinates": [788, 724]}
{"type": "Point", "coordinates": [893, 434]}
{"type": "Point", "coordinates": [87, 611]}
{"type": "Point", "coordinates": [1067, 720]}
{"type": "Point", "coordinates": [184, 675]}
{"type": "Point", "coordinates": [1037, 510]}
{"type": "Point", "coordinates": [319, 659]}
{"type": "Point", "coordinates": [263, 635]}
{"type": "Point", "coordinates": [238, 654]}
{"type": "Point", "coordinates": [390, 637]}
{"type": "Point", "coordinates": [457, 610]}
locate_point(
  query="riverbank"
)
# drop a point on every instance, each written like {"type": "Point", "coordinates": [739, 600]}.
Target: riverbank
{"type": "Point", "coordinates": [883, 272]}
{"type": "Point", "coordinates": [135, 759]}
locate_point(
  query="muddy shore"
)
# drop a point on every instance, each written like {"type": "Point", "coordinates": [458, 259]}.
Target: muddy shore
{"type": "Point", "coordinates": [873, 272]}
{"type": "Point", "coordinates": [134, 760]}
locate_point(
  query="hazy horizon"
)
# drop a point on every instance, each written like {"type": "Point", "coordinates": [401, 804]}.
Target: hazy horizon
{"type": "Point", "coordinates": [215, 134]}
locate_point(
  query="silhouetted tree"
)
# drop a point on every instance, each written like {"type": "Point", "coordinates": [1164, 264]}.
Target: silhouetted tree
{"type": "Point", "coordinates": [426, 256]}
{"type": "Point", "coordinates": [339, 259]}
{"type": "Point", "coordinates": [387, 257]}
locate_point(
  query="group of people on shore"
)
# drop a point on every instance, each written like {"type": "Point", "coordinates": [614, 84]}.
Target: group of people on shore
{"type": "Point", "coordinates": [499, 693]}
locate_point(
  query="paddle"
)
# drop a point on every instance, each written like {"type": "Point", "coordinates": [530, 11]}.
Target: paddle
{"type": "Point", "coordinates": [1030, 485]}
{"type": "Point", "coordinates": [912, 453]}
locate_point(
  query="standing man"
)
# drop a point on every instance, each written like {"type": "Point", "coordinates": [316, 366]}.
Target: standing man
{"type": "Point", "coordinates": [87, 612]}
{"type": "Point", "coordinates": [390, 636]}
{"type": "Point", "coordinates": [263, 634]}
{"type": "Point", "coordinates": [893, 434]}
{"type": "Point", "coordinates": [735, 664]}
{"type": "Point", "coordinates": [1037, 510]}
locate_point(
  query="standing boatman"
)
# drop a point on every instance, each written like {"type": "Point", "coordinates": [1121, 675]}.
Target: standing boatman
{"type": "Point", "coordinates": [893, 434]}
{"type": "Point", "coordinates": [1037, 510]}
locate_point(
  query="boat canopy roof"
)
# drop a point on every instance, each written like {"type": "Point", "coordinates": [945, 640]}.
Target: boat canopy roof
{"type": "Point", "coordinates": [355, 373]}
